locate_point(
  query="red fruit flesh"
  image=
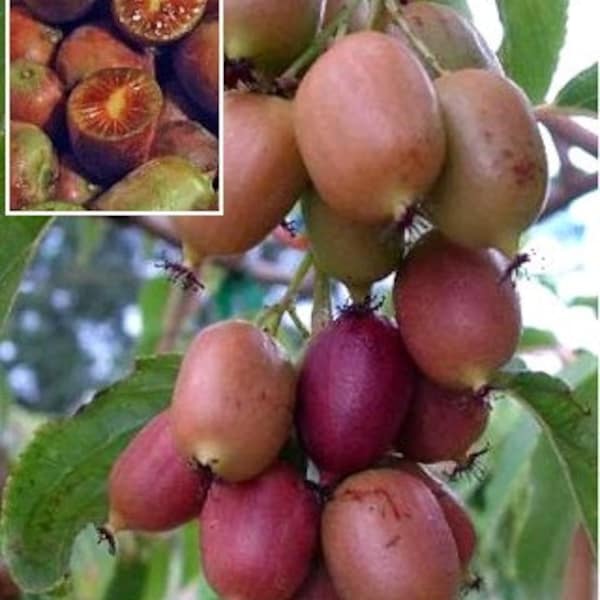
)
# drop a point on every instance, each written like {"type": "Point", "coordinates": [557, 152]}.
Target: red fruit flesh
{"type": "Point", "coordinates": [196, 63]}
{"type": "Point", "coordinates": [460, 318]}
{"type": "Point", "coordinates": [318, 586]}
{"type": "Point", "coordinates": [112, 117]}
{"type": "Point", "coordinates": [30, 39]}
{"type": "Point", "coordinates": [441, 424]}
{"type": "Point", "coordinates": [152, 487]}
{"type": "Point", "coordinates": [456, 515]}
{"type": "Point", "coordinates": [78, 56]}
{"type": "Point", "coordinates": [59, 11]}
{"type": "Point", "coordinates": [157, 21]}
{"type": "Point", "coordinates": [259, 537]}
{"type": "Point", "coordinates": [385, 536]}
{"type": "Point", "coordinates": [36, 95]}
{"type": "Point", "coordinates": [354, 391]}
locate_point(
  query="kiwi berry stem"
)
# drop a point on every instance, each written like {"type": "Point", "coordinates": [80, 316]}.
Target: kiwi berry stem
{"type": "Point", "coordinates": [395, 12]}
{"type": "Point", "coordinates": [298, 322]}
{"type": "Point", "coordinates": [374, 13]}
{"type": "Point", "coordinates": [270, 318]}
{"type": "Point", "coordinates": [319, 44]}
{"type": "Point", "coordinates": [321, 312]}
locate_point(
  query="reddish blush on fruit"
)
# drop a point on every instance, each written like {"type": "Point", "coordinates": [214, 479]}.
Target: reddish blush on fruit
{"type": "Point", "coordinates": [31, 39]}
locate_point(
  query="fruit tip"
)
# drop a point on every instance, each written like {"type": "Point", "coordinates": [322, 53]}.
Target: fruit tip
{"type": "Point", "coordinates": [106, 533]}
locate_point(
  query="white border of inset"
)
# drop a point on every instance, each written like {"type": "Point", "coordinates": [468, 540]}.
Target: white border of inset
{"type": "Point", "coordinates": [99, 213]}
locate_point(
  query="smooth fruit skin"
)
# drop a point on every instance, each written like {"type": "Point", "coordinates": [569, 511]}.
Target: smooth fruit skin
{"type": "Point", "coordinates": [369, 127]}
{"type": "Point", "coordinates": [30, 39]}
{"type": "Point", "coordinates": [258, 537]}
{"type": "Point", "coordinates": [456, 514]}
{"type": "Point", "coordinates": [72, 186]}
{"type": "Point", "coordinates": [109, 146]}
{"type": "Point", "coordinates": [33, 166]}
{"type": "Point", "coordinates": [189, 140]}
{"type": "Point", "coordinates": [441, 424]}
{"type": "Point", "coordinates": [59, 11]}
{"type": "Point", "coordinates": [263, 177]}
{"type": "Point", "coordinates": [385, 536]}
{"type": "Point", "coordinates": [234, 399]}
{"type": "Point", "coordinates": [357, 254]}
{"type": "Point", "coordinates": [318, 585]}
{"type": "Point", "coordinates": [36, 95]}
{"type": "Point", "coordinates": [270, 33]}
{"type": "Point", "coordinates": [458, 312]}
{"type": "Point", "coordinates": [355, 385]}
{"type": "Point", "coordinates": [493, 185]}
{"type": "Point", "coordinates": [151, 486]}
{"type": "Point", "coordinates": [166, 183]}
{"type": "Point", "coordinates": [78, 56]}
{"type": "Point", "coordinates": [196, 62]}
{"type": "Point", "coordinates": [451, 38]}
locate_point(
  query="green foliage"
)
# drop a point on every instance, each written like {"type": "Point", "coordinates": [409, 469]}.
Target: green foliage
{"type": "Point", "coordinates": [581, 92]}
{"type": "Point", "coordinates": [59, 483]}
{"type": "Point", "coordinates": [534, 33]}
{"type": "Point", "coordinates": [18, 241]}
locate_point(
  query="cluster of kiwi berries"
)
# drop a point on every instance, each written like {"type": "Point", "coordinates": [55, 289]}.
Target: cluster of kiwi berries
{"type": "Point", "coordinates": [98, 120]}
{"type": "Point", "coordinates": [409, 123]}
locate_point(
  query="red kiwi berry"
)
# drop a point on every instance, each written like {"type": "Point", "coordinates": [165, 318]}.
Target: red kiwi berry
{"type": "Point", "coordinates": [263, 177]}
{"type": "Point", "coordinates": [357, 254]}
{"type": "Point", "coordinates": [442, 424]}
{"type": "Point", "coordinates": [318, 585]}
{"type": "Point", "coordinates": [151, 486]}
{"type": "Point", "coordinates": [72, 185]}
{"type": "Point", "coordinates": [269, 33]}
{"type": "Point", "coordinates": [451, 38]}
{"type": "Point", "coordinates": [234, 399]}
{"type": "Point", "coordinates": [112, 117]}
{"type": "Point", "coordinates": [493, 185]}
{"type": "Point", "coordinates": [157, 22]}
{"type": "Point", "coordinates": [59, 11]}
{"type": "Point", "coordinates": [78, 55]}
{"type": "Point", "coordinates": [189, 140]}
{"type": "Point", "coordinates": [30, 39]}
{"type": "Point", "coordinates": [459, 316]}
{"type": "Point", "coordinates": [33, 166]}
{"type": "Point", "coordinates": [258, 537]}
{"type": "Point", "coordinates": [385, 536]}
{"type": "Point", "coordinates": [196, 62]}
{"type": "Point", "coordinates": [456, 515]}
{"type": "Point", "coordinates": [176, 106]}
{"type": "Point", "coordinates": [36, 95]}
{"type": "Point", "coordinates": [354, 390]}
{"type": "Point", "coordinates": [367, 163]}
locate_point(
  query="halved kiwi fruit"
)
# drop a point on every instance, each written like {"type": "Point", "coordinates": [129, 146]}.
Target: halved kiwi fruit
{"type": "Point", "coordinates": [112, 117]}
{"type": "Point", "coordinates": [152, 22]}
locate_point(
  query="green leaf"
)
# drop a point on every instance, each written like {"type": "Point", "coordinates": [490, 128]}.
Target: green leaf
{"type": "Point", "coordinates": [153, 303]}
{"type": "Point", "coordinates": [18, 239]}
{"type": "Point", "coordinates": [547, 528]}
{"type": "Point", "coordinates": [534, 33]}
{"type": "Point", "coordinates": [532, 338]}
{"type": "Point", "coordinates": [581, 91]}
{"type": "Point", "coordinates": [587, 302]}
{"type": "Point", "coordinates": [59, 483]}
{"type": "Point", "coordinates": [569, 421]}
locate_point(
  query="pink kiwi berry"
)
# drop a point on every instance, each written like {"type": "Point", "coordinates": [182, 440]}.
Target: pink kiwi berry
{"type": "Point", "coordinates": [318, 585]}
{"type": "Point", "coordinates": [258, 537]}
{"type": "Point", "coordinates": [354, 390]}
{"type": "Point", "coordinates": [151, 486]}
{"type": "Point", "coordinates": [442, 424]}
{"type": "Point", "coordinates": [459, 315]}
{"type": "Point", "coordinates": [385, 536]}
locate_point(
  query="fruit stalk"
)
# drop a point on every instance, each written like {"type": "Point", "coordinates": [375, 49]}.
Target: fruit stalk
{"type": "Point", "coordinates": [319, 44]}
{"type": "Point", "coordinates": [321, 312]}
{"type": "Point", "coordinates": [271, 318]}
{"type": "Point", "coordinates": [396, 13]}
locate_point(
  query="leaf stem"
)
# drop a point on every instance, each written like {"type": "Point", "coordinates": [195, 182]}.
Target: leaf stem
{"type": "Point", "coordinates": [395, 12]}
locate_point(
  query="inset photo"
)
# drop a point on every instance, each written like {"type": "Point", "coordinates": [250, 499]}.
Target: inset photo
{"type": "Point", "coordinates": [113, 107]}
